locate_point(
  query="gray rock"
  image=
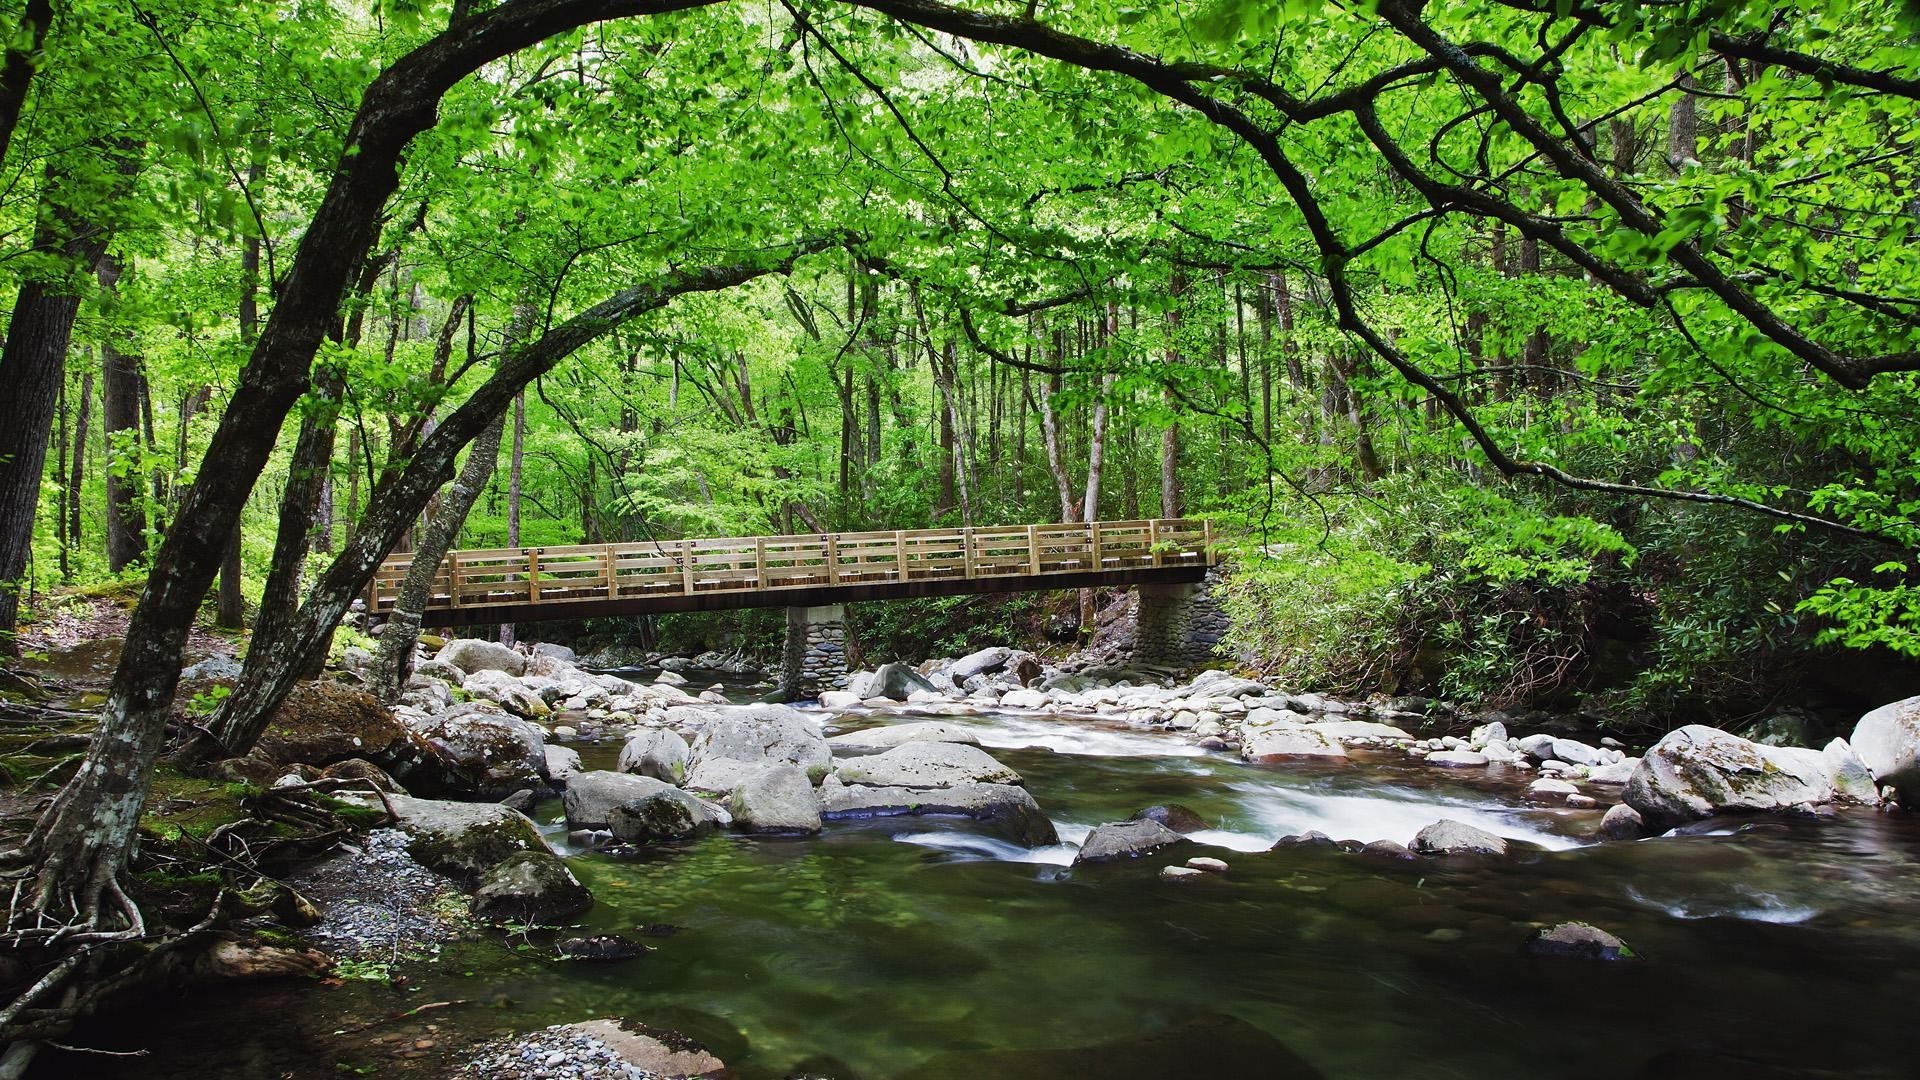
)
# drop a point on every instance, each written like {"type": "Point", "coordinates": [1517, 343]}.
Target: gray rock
{"type": "Point", "coordinates": [213, 669]}
{"type": "Point", "coordinates": [436, 668]}
{"type": "Point", "coordinates": [750, 738]}
{"type": "Point", "coordinates": [1285, 740]}
{"type": "Point", "coordinates": [656, 752]}
{"type": "Point", "coordinates": [665, 816]}
{"type": "Point", "coordinates": [508, 692]}
{"type": "Point", "coordinates": [984, 662]}
{"type": "Point", "coordinates": [557, 652]}
{"type": "Point", "coordinates": [472, 654]}
{"type": "Point", "coordinates": [838, 699]}
{"type": "Point", "coordinates": [591, 796]}
{"type": "Point", "coordinates": [926, 765]}
{"type": "Point", "coordinates": [1617, 773]}
{"type": "Point", "coordinates": [1174, 816]}
{"type": "Point", "coordinates": [901, 734]}
{"type": "Point", "coordinates": [490, 752]}
{"type": "Point", "coordinates": [1311, 838]}
{"type": "Point", "coordinates": [1622, 822]}
{"type": "Point", "coordinates": [531, 887]}
{"type": "Point", "coordinates": [1124, 840]}
{"type": "Point", "coordinates": [1494, 732]}
{"type": "Point", "coordinates": [1699, 771]}
{"type": "Point", "coordinates": [459, 839]}
{"type": "Point", "coordinates": [1582, 802]}
{"type": "Point", "coordinates": [1537, 747]}
{"type": "Point", "coordinates": [1888, 741]}
{"type": "Point", "coordinates": [779, 799]}
{"type": "Point", "coordinates": [1180, 873]}
{"type": "Point", "coordinates": [1577, 753]}
{"type": "Point", "coordinates": [1579, 941]}
{"type": "Point", "coordinates": [1852, 780]}
{"type": "Point", "coordinates": [1211, 866]}
{"type": "Point", "coordinates": [1551, 789]}
{"type": "Point", "coordinates": [1387, 849]}
{"type": "Point", "coordinates": [1362, 729]}
{"type": "Point", "coordinates": [1449, 837]}
{"type": "Point", "coordinates": [1010, 810]}
{"type": "Point", "coordinates": [1458, 759]}
{"type": "Point", "coordinates": [897, 681]}
{"type": "Point", "coordinates": [562, 762]}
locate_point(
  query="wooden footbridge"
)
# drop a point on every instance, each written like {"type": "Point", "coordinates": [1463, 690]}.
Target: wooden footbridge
{"type": "Point", "coordinates": [651, 577]}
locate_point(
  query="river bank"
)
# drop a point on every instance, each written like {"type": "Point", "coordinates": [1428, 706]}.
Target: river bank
{"type": "Point", "coordinates": [889, 938]}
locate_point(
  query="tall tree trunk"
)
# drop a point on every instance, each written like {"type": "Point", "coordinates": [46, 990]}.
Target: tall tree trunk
{"type": "Point", "coordinates": [1097, 449]}
{"type": "Point", "coordinates": [1050, 431]}
{"type": "Point", "coordinates": [231, 611]}
{"type": "Point", "coordinates": [32, 366]}
{"type": "Point", "coordinates": [1683, 126]}
{"type": "Point", "coordinates": [120, 413]}
{"type": "Point", "coordinates": [1170, 438]}
{"type": "Point", "coordinates": [82, 430]}
{"type": "Point", "coordinates": [523, 321]}
{"type": "Point", "coordinates": [62, 412]}
{"type": "Point", "coordinates": [22, 61]}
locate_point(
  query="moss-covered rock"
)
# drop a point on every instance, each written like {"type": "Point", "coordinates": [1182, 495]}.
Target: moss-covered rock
{"type": "Point", "coordinates": [464, 840]}
{"type": "Point", "coordinates": [531, 887]}
{"type": "Point", "coordinates": [325, 722]}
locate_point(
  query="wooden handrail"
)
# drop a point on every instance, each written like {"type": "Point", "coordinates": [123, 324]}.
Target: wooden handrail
{"type": "Point", "coordinates": [498, 577]}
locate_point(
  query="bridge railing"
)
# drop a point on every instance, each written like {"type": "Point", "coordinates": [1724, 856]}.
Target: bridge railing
{"type": "Point", "coordinates": [547, 575]}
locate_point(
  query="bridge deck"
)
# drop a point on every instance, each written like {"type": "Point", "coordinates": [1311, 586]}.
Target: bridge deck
{"type": "Point", "coordinates": [592, 580]}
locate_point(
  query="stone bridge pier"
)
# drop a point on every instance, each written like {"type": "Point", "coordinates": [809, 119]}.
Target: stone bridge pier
{"type": "Point", "coordinates": [1177, 625]}
{"type": "Point", "coordinates": [816, 652]}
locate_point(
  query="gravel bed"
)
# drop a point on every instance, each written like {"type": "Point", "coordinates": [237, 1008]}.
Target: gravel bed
{"type": "Point", "coordinates": [376, 902]}
{"type": "Point", "coordinates": [558, 1053]}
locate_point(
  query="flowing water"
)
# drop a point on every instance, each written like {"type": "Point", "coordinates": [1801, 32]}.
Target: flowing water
{"type": "Point", "coordinates": [926, 947]}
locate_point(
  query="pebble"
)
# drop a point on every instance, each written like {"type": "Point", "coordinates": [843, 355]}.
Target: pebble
{"type": "Point", "coordinates": [555, 1052]}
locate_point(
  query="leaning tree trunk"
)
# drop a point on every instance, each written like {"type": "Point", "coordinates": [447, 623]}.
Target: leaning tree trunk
{"type": "Point", "coordinates": [22, 61]}
{"type": "Point", "coordinates": [392, 508]}
{"type": "Point", "coordinates": [79, 845]}
{"type": "Point", "coordinates": [393, 663]}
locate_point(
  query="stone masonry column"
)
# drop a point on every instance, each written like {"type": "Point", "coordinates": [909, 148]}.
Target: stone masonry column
{"type": "Point", "coordinates": [816, 653]}
{"type": "Point", "coordinates": [1177, 625]}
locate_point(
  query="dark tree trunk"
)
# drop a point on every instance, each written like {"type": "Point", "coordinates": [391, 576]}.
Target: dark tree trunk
{"type": "Point", "coordinates": [120, 409]}
{"type": "Point", "coordinates": [82, 429]}
{"type": "Point", "coordinates": [523, 322]}
{"type": "Point", "coordinates": [32, 365]}
{"type": "Point", "coordinates": [22, 60]}
{"type": "Point", "coordinates": [231, 610]}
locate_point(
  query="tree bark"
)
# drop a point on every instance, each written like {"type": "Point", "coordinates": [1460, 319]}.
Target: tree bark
{"type": "Point", "coordinates": [120, 411]}
{"type": "Point", "coordinates": [82, 429]}
{"type": "Point", "coordinates": [22, 62]}
{"type": "Point", "coordinates": [523, 322]}
{"type": "Point", "coordinates": [1097, 451]}
{"type": "Point", "coordinates": [32, 366]}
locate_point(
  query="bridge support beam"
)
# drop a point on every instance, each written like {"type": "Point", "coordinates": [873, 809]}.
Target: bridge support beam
{"type": "Point", "coordinates": [816, 653]}
{"type": "Point", "coordinates": [1177, 625]}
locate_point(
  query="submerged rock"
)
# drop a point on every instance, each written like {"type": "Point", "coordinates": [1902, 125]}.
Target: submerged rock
{"type": "Point", "coordinates": [1174, 816]}
{"type": "Point", "coordinates": [1008, 809]}
{"type": "Point", "coordinates": [1209, 1046]}
{"type": "Point", "coordinates": [1699, 771]}
{"type": "Point", "coordinates": [1579, 941]}
{"type": "Point", "coordinates": [1622, 822]}
{"type": "Point", "coordinates": [1449, 837]}
{"type": "Point", "coordinates": [530, 887]}
{"type": "Point", "coordinates": [1125, 840]}
{"type": "Point", "coordinates": [1178, 873]}
{"type": "Point", "coordinates": [926, 765]}
{"type": "Point", "coordinates": [601, 947]}
{"type": "Point", "coordinates": [778, 799]}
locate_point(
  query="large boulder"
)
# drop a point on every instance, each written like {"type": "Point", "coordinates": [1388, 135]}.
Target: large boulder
{"type": "Point", "coordinates": [507, 692]}
{"type": "Point", "coordinates": [1007, 809]}
{"type": "Point", "coordinates": [562, 762]}
{"type": "Point", "coordinates": [779, 799]}
{"type": "Point", "coordinates": [1852, 780]}
{"type": "Point", "coordinates": [882, 738]}
{"type": "Point", "coordinates": [460, 839]}
{"type": "Point", "coordinates": [656, 752]}
{"type": "Point", "coordinates": [1174, 816]}
{"type": "Point", "coordinates": [1290, 740]}
{"type": "Point", "coordinates": [556, 652]}
{"type": "Point", "coordinates": [668, 815]}
{"type": "Point", "coordinates": [750, 738]}
{"type": "Point", "coordinates": [478, 750]}
{"type": "Point", "coordinates": [1125, 840]}
{"type": "Point", "coordinates": [472, 654]}
{"type": "Point", "coordinates": [1449, 837]}
{"type": "Point", "coordinates": [591, 796]}
{"type": "Point", "coordinates": [1888, 740]}
{"type": "Point", "coordinates": [984, 662]}
{"type": "Point", "coordinates": [1699, 771]}
{"type": "Point", "coordinates": [927, 765]}
{"type": "Point", "coordinates": [324, 722]}
{"type": "Point", "coordinates": [532, 887]}
{"type": "Point", "coordinates": [896, 681]}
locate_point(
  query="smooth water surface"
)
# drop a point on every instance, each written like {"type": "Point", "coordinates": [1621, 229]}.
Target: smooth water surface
{"type": "Point", "coordinates": [926, 947]}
